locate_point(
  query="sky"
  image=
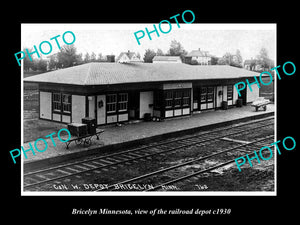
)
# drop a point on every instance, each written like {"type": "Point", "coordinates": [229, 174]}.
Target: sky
{"type": "Point", "coordinates": [107, 39]}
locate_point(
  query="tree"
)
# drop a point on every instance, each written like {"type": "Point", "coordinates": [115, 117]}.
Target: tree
{"type": "Point", "coordinates": [231, 60]}
{"type": "Point", "coordinates": [87, 58]}
{"type": "Point", "coordinates": [227, 58]}
{"type": "Point", "coordinates": [149, 55]}
{"type": "Point", "coordinates": [53, 62]}
{"type": "Point", "coordinates": [252, 64]}
{"type": "Point", "coordinates": [26, 61]}
{"type": "Point", "coordinates": [138, 55]}
{"type": "Point", "coordinates": [67, 56]}
{"type": "Point", "coordinates": [176, 49]}
{"type": "Point", "coordinates": [41, 65]}
{"type": "Point", "coordinates": [214, 60]}
{"type": "Point", "coordinates": [93, 57]}
{"type": "Point", "coordinates": [239, 57]}
{"type": "Point", "coordinates": [264, 59]}
{"type": "Point", "coordinates": [100, 57]}
{"type": "Point", "coordinates": [159, 52]}
{"type": "Point", "coordinates": [221, 61]}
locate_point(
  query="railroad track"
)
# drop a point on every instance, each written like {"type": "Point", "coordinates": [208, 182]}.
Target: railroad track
{"type": "Point", "coordinates": [247, 147]}
{"type": "Point", "coordinates": [35, 179]}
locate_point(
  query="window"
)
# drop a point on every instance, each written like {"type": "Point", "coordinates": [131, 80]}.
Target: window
{"type": "Point", "coordinates": [117, 102]}
{"type": "Point", "coordinates": [186, 98]}
{"type": "Point", "coordinates": [66, 101]}
{"type": "Point", "coordinates": [123, 102]}
{"type": "Point", "coordinates": [177, 98]}
{"type": "Point", "coordinates": [57, 102]}
{"type": "Point", "coordinates": [111, 101]}
{"type": "Point", "coordinates": [210, 94]}
{"type": "Point", "coordinates": [207, 94]}
{"type": "Point", "coordinates": [169, 99]}
{"type": "Point", "coordinates": [203, 94]}
{"type": "Point", "coordinates": [62, 103]}
{"type": "Point", "coordinates": [229, 92]}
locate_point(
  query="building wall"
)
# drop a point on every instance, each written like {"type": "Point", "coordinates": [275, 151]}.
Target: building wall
{"type": "Point", "coordinates": [202, 60]}
{"type": "Point", "coordinates": [235, 96]}
{"type": "Point", "coordinates": [254, 94]}
{"type": "Point", "coordinates": [123, 58]}
{"type": "Point", "coordinates": [66, 118]}
{"type": "Point", "coordinates": [78, 108]}
{"type": "Point", "coordinates": [80, 100]}
{"type": "Point", "coordinates": [91, 105]}
{"type": "Point", "coordinates": [45, 105]}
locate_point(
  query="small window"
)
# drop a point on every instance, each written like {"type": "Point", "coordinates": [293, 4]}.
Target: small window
{"type": "Point", "coordinates": [177, 98]}
{"type": "Point", "coordinates": [186, 98]}
{"type": "Point", "coordinates": [203, 94]}
{"type": "Point", "coordinates": [66, 100]}
{"type": "Point", "coordinates": [123, 102]}
{"type": "Point", "coordinates": [207, 94]}
{"type": "Point", "coordinates": [210, 97]}
{"type": "Point", "coordinates": [210, 90]}
{"type": "Point", "coordinates": [229, 92]}
{"type": "Point", "coordinates": [57, 102]}
{"type": "Point", "coordinates": [169, 99]}
{"type": "Point", "coordinates": [111, 101]}
{"type": "Point", "coordinates": [210, 94]}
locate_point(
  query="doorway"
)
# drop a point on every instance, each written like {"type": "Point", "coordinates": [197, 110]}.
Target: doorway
{"type": "Point", "coordinates": [134, 104]}
{"type": "Point", "coordinates": [243, 94]}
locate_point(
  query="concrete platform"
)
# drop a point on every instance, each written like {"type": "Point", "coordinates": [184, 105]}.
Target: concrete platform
{"type": "Point", "coordinates": [130, 134]}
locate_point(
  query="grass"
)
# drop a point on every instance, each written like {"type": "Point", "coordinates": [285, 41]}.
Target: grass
{"type": "Point", "coordinates": [34, 129]}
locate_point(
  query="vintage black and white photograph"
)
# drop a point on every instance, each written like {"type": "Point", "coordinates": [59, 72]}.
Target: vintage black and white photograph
{"type": "Point", "coordinates": [130, 109]}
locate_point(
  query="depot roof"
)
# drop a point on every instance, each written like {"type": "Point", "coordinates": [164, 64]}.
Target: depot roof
{"type": "Point", "coordinates": [116, 73]}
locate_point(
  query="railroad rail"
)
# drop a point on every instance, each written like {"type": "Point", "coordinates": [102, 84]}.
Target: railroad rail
{"type": "Point", "coordinates": [172, 181]}
{"type": "Point", "coordinates": [38, 178]}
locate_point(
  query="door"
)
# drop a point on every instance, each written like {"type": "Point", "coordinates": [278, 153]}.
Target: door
{"type": "Point", "coordinates": [101, 109]}
{"type": "Point", "coordinates": [243, 94]}
{"type": "Point", "coordinates": [146, 103]}
{"type": "Point", "coordinates": [219, 96]}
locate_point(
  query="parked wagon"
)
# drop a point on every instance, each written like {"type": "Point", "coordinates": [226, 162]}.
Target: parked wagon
{"type": "Point", "coordinates": [82, 133]}
{"type": "Point", "coordinates": [260, 103]}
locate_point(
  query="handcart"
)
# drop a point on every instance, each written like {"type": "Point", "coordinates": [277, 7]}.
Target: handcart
{"type": "Point", "coordinates": [260, 103]}
{"type": "Point", "coordinates": [80, 135]}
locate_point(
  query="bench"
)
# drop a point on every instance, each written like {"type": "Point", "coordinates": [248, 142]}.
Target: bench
{"type": "Point", "coordinates": [85, 139]}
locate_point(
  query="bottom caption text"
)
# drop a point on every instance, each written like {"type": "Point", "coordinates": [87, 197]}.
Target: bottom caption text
{"type": "Point", "coordinates": [152, 212]}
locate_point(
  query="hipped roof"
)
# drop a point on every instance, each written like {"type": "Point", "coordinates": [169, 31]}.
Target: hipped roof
{"type": "Point", "coordinates": [116, 73]}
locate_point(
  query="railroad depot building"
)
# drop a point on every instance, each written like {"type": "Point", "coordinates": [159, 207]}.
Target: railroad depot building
{"type": "Point", "coordinates": [114, 92]}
